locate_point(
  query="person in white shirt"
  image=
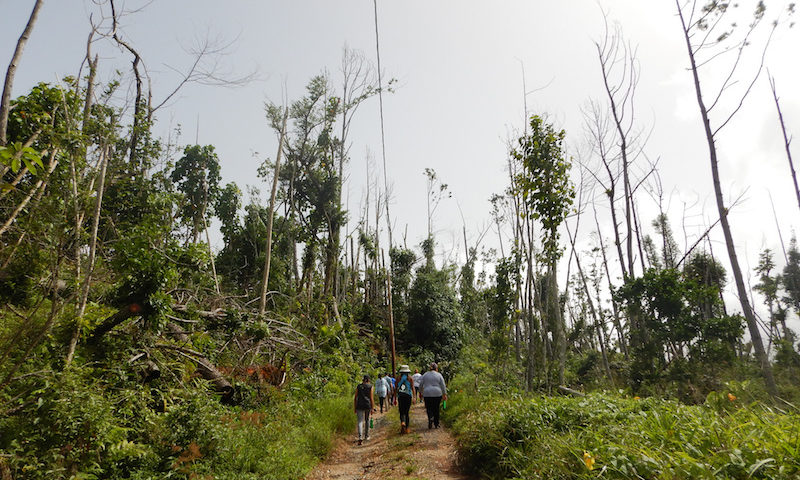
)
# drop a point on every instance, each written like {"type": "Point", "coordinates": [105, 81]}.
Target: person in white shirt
{"type": "Point", "coordinates": [416, 377]}
{"type": "Point", "coordinates": [381, 389]}
{"type": "Point", "coordinates": [389, 390]}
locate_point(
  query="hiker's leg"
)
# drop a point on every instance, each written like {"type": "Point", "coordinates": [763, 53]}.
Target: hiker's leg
{"type": "Point", "coordinates": [361, 415]}
{"type": "Point", "coordinates": [405, 406]}
{"type": "Point", "coordinates": [429, 408]}
{"type": "Point", "coordinates": [436, 401]}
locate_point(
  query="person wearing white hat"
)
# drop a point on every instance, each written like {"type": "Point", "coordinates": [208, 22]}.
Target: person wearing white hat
{"type": "Point", "coordinates": [405, 390]}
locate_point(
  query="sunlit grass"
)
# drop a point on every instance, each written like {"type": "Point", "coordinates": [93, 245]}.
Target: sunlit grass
{"type": "Point", "coordinates": [609, 436]}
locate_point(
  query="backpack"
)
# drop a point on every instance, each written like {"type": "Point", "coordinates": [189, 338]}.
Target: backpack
{"type": "Point", "coordinates": [405, 385]}
{"type": "Point", "coordinates": [362, 401]}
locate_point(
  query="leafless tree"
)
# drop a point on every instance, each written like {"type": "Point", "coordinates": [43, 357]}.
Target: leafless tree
{"type": "Point", "coordinates": [5, 102]}
{"type": "Point", "coordinates": [709, 41]}
{"type": "Point", "coordinates": [787, 140]}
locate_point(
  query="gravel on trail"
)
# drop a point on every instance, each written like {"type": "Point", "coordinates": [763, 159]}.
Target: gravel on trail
{"type": "Point", "coordinates": [420, 454]}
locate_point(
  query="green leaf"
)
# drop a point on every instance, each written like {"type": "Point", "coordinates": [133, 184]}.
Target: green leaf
{"type": "Point", "coordinates": [756, 466]}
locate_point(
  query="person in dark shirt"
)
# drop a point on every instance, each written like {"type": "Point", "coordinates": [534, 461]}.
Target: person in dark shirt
{"type": "Point", "coordinates": [363, 404]}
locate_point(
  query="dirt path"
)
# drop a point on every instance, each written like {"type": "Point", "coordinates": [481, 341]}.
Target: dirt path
{"type": "Point", "coordinates": [421, 454]}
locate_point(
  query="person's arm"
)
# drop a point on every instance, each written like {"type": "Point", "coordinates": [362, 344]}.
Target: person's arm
{"type": "Point", "coordinates": [372, 398]}
{"type": "Point", "coordinates": [355, 401]}
{"type": "Point", "coordinates": [444, 387]}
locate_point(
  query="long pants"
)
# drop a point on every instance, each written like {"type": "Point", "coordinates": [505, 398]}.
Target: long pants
{"type": "Point", "coordinates": [432, 408]}
{"type": "Point", "coordinates": [382, 400]}
{"type": "Point", "coordinates": [363, 423]}
{"type": "Point", "coordinates": [405, 406]}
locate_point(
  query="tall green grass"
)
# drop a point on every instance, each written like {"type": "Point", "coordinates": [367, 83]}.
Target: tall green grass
{"type": "Point", "coordinates": [512, 435]}
{"type": "Point", "coordinates": [285, 444]}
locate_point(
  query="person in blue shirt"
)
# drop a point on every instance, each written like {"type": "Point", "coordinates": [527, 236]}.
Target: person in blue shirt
{"type": "Point", "coordinates": [405, 390]}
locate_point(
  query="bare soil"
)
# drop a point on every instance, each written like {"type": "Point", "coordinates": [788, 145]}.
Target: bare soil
{"type": "Point", "coordinates": [420, 454]}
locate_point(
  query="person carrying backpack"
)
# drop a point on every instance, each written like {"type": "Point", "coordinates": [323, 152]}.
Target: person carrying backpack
{"type": "Point", "coordinates": [405, 390]}
{"type": "Point", "coordinates": [363, 404]}
{"type": "Point", "coordinates": [381, 389]}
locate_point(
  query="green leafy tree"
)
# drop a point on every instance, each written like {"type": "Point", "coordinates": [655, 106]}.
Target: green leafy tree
{"type": "Point", "coordinates": [197, 176]}
{"type": "Point", "coordinates": [549, 193]}
{"type": "Point", "coordinates": [682, 333]}
{"type": "Point", "coordinates": [434, 315]}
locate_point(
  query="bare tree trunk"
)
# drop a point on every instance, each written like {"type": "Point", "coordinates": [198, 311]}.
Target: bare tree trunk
{"type": "Point", "coordinates": [752, 325]}
{"type": "Point", "coordinates": [592, 310]}
{"type": "Point", "coordinates": [38, 187]}
{"type": "Point", "coordinates": [615, 309]}
{"type": "Point", "coordinates": [137, 107]}
{"type": "Point", "coordinates": [557, 318]}
{"type": "Point", "coordinates": [87, 282]}
{"type": "Point", "coordinates": [385, 185]}
{"type": "Point", "coordinates": [608, 55]}
{"type": "Point", "coordinates": [132, 310]}
{"type": "Point", "coordinates": [211, 255]}
{"type": "Point", "coordinates": [786, 140]}
{"type": "Point", "coordinates": [5, 103]}
{"type": "Point", "coordinates": [262, 304]}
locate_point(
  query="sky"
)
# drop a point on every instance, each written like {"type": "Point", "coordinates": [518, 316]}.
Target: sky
{"type": "Point", "coordinates": [458, 98]}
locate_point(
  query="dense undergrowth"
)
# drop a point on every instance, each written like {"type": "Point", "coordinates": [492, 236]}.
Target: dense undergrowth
{"type": "Point", "coordinates": [509, 434]}
{"type": "Point", "coordinates": [82, 427]}
{"type": "Point", "coordinates": [102, 418]}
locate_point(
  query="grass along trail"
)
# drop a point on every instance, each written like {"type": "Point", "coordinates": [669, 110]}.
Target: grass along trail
{"type": "Point", "coordinates": [420, 454]}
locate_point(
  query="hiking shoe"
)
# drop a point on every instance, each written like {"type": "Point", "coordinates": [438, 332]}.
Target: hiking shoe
{"type": "Point", "coordinates": [359, 441]}
{"type": "Point", "coordinates": [430, 424]}
{"type": "Point", "coordinates": [368, 437]}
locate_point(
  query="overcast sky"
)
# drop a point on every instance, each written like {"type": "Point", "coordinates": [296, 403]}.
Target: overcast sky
{"type": "Point", "coordinates": [459, 96]}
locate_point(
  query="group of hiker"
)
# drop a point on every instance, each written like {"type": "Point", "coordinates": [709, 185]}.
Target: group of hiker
{"type": "Point", "coordinates": [401, 390]}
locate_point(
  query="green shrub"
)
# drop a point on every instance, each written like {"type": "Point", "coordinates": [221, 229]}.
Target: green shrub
{"type": "Point", "coordinates": [608, 436]}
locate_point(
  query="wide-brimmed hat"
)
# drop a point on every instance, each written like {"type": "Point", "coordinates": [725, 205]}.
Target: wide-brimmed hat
{"type": "Point", "coordinates": [404, 369]}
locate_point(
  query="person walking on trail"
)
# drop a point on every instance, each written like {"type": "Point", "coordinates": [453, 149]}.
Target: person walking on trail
{"type": "Point", "coordinates": [393, 380]}
{"type": "Point", "coordinates": [405, 392]}
{"type": "Point", "coordinates": [389, 389]}
{"type": "Point", "coordinates": [416, 377]}
{"type": "Point", "coordinates": [363, 404]}
{"type": "Point", "coordinates": [381, 389]}
{"type": "Point", "coordinates": [433, 391]}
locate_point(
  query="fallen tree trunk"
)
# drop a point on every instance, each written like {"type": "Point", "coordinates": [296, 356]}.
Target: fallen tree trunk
{"type": "Point", "coordinates": [205, 368]}
{"type": "Point", "coordinates": [569, 391]}
{"type": "Point", "coordinates": [132, 310]}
